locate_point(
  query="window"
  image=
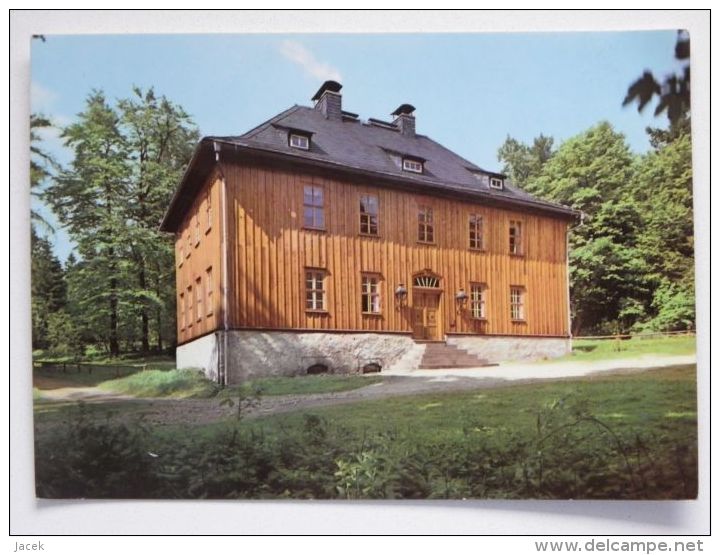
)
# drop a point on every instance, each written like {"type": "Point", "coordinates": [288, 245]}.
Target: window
{"type": "Point", "coordinates": [181, 305]}
{"type": "Point", "coordinates": [208, 211]}
{"type": "Point", "coordinates": [197, 229]}
{"type": "Point", "coordinates": [516, 237]}
{"type": "Point", "coordinates": [189, 299]}
{"type": "Point", "coordinates": [299, 141]}
{"type": "Point", "coordinates": [496, 183]}
{"type": "Point", "coordinates": [426, 228]}
{"type": "Point", "coordinates": [477, 300]}
{"type": "Point", "coordinates": [411, 165]}
{"type": "Point", "coordinates": [368, 214]}
{"type": "Point", "coordinates": [198, 299]}
{"type": "Point", "coordinates": [426, 280]}
{"type": "Point", "coordinates": [475, 224]}
{"type": "Point", "coordinates": [517, 303]}
{"type": "Point", "coordinates": [314, 211]}
{"type": "Point", "coordinates": [370, 294]}
{"type": "Point", "coordinates": [315, 290]}
{"type": "Point", "coordinates": [209, 291]}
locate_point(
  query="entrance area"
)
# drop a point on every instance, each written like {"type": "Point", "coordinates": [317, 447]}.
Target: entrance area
{"type": "Point", "coordinates": [426, 315]}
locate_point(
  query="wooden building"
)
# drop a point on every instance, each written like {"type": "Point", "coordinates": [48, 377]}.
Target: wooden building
{"type": "Point", "coordinates": [317, 239]}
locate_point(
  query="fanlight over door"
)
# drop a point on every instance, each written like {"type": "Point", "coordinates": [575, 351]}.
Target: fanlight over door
{"type": "Point", "coordinates": [426, 280]}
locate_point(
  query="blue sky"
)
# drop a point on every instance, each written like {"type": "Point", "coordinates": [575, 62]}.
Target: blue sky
{"type": "Point", "coordinates": [470, 90]}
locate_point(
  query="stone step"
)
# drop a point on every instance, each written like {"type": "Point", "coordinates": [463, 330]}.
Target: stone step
{"type": "Point", "coordinates": [442, 355]}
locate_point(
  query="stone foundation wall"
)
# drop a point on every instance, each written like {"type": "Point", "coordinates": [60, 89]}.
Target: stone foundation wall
{"type": "Point", "coordinates": [254, 354]}
{"type": "Point", "coordinates": [202, 353]}
{"type": "Point", "coordinates": [499, 349]}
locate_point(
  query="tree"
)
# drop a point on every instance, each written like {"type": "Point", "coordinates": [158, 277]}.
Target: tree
{"type": "Point", "coordinates": [41, 164]}
{"type": "Point", "coordinates": [160, 137]}
{"type": "Point", "coordinates": [48, 288]}
{"type": "Point", "coordinates": [127, 161]}
{"type": "Point", "coordinates": [523, 163]}
{"type": "Point", "coordinates": [591, 173]}
{"type": "Point", "coordinates": [663, 192]}
{"type": "Point", "coordinates": [89, 198]}
{"type": "Point", "coordinates": [673, 93]}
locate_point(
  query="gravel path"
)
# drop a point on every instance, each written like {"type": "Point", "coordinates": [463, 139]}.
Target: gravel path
{"type": "Point", "coordinates": [199, 411]}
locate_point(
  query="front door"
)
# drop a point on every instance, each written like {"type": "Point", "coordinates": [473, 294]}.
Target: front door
{"type": "Point", "coordinates": [426, 316]}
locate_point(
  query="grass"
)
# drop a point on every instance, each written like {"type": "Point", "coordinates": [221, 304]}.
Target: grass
{"type": "Point", "coordinates": [631, 436]}
{"type": "Point", "coordinates": [185, 383]}
{"type": "Point", "coordinates": [301, 385]}
{"type": "Point", "coordinates": [606, 349]}
{"type": "Point", "coordinates": [662, 399]}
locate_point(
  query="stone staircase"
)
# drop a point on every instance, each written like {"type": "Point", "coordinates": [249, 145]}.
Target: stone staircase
{"type": "Point", "coordinates": [441, 355]}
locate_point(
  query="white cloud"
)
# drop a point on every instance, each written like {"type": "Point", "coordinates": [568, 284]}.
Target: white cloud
{"type": "Point", "coordinates": [297, 53]}
{"type": "Point", "coordinates": [41, 99]}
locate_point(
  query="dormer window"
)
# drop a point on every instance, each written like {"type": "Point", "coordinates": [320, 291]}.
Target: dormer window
{"type": "Point", "coordinates": [410, 165]}
{"type": "Point", "coordinates": [299, 141]}
{"type": "Point", "coordinates": [496, 183]}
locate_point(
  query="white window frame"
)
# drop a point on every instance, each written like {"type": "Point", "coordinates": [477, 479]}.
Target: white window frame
{"type": "Point", "coordinates": [370, 288]}
{"type": "Point", "coordinates": [477, 301]}
{"type": "Point", "coordinates": [414, 166]}
{"type": "Point", "coordinates": [315, 292]}
{"type": "Point", "coordinates": [517, 303]}
{"type": "Point", "coordinates": [299, 141]}
{"type": "Point", "coordinates": [515, 240]}
{"type": "Point", "coordinates": [496, 183]}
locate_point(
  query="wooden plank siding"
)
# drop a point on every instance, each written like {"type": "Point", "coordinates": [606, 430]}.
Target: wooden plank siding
{"type": "Point", "coordinates": [270, 250]}
{"type": "Point", "coordinates": [193, 263]}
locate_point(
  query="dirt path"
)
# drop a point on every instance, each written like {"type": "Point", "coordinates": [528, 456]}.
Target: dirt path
{"type": "Point", "coordinates": [201, 411]}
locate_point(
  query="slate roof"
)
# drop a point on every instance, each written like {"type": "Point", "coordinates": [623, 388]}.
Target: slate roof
{"type": "Point", "coordinates": [352, 144]}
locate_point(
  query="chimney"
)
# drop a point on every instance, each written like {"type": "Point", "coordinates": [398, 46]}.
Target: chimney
{"type": "Point", "coordinates": [328, 100]}
{"type": "Point", "coordinates": [405, 120]}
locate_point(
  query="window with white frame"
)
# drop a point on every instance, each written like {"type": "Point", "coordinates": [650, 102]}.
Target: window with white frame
{"type": "Point", "coordinates": [496, 183]}
{"type": "Point", "coordinates": [315, 290]}
{"type": "Point", "coordinates": [475, 225]}
{"type": "Point", "coordinates": [299, 141]}
{"type": "Point", "coordinates": [426, 225]}
{"type": "Point", "coordinates": [516, 246]}
{"type": "Point", "coordinates": [370, 298]}
{"type": "Point", "coordinates": [477, 300]}
{"type": "Point", "coordinates": [517, 303]}
{"type": "Point", "coordinates": [368, 214]}
{"type": "Point", "coordinates": [313, 207]}
{"type": "Point", "coordinates": [411, 165]}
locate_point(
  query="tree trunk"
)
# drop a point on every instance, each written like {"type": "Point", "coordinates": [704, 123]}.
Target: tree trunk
{"type": "Point", "coordinates": [145, 326]}
{"type": "Point", "coordinates": [114, 343]}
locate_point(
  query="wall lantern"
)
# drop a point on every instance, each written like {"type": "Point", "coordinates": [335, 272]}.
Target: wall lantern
{"type": "Point", "coordinates": [400, 296]}
{"type": "Point", "coordinates": [461, 299]}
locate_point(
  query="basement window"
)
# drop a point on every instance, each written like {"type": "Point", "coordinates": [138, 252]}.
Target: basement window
{"type": "Point", "coordinates": [410, 165]}
{"type": "Point", "coordinates": [296, 140]}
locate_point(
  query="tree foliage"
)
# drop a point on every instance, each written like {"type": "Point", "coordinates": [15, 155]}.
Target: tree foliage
{"type": "Point", "coordinates": [127, 160]}
{"type": "Point", "coordinates": [631, 259]}
{"type": "Point", "coordinates": [673, 94]}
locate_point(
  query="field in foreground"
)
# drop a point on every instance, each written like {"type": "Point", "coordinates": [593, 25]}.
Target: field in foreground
{"type": "Point", "coordinates": [624, 436]}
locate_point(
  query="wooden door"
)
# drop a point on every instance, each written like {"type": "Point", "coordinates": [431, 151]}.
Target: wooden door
{"type": "Point", "coordinates": [426, 316]}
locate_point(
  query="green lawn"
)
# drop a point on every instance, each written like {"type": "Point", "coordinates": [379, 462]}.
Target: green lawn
{"type": "Point", "coordinates": [630, 436]}
{"type": "Point", "coordinates": [602, 349]}
{"type": "Point", "coordinates": [300, 385]}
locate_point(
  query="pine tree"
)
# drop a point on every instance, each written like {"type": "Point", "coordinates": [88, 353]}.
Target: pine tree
{"type": "Point", "coordinates": [48, 288]}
